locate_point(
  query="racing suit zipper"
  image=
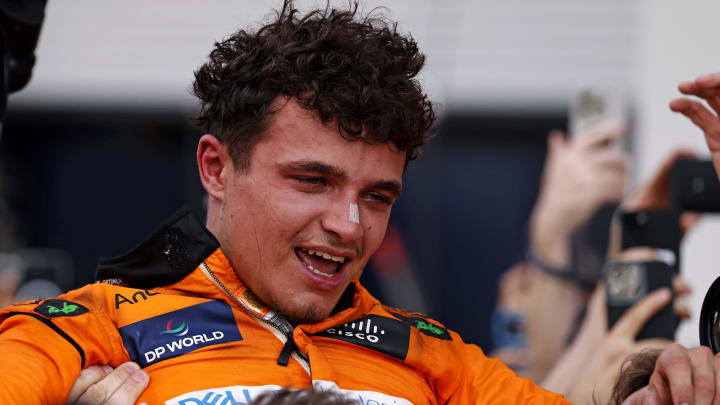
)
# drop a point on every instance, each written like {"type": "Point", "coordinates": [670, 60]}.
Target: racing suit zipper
{"type": "Point", "coordinates": [272, 319]}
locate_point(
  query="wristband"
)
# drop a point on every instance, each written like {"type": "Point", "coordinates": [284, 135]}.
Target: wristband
{"type": "Point", "coordinates": [507, 329]}
{"type": "Point", "coordinates": [568, 273]}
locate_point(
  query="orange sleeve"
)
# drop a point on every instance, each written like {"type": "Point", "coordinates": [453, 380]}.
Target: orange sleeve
{"type": "Point", "coordinates": [42, 354]}
{"type": "Point", "coordinates": [38, 365]}
{"type": "Point", "coordinates": [489, 381]}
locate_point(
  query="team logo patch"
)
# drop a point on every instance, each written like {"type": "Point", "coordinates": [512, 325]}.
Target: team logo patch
{"type": "Point", "coordinates": [56, 308]}
{"type": "Point", "coordinates": [376, 332]}
{"type": "Point", "coordinates": [176, 333]}
{"type": "Point", "coordinates": [235, 395]}
{"type": "Point", "coordinates": [423, 325]}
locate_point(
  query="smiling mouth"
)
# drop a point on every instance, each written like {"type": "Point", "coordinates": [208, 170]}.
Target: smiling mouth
{"type": "Point", "coordinates": [320, 263]}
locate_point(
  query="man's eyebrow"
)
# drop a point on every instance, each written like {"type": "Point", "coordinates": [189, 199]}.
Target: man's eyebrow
{"type": "Point", "coordinates": [316, 167]}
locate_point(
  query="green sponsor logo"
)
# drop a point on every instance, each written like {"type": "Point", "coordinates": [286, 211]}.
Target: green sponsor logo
{"type": "Point", "coordinates": [54, 308]}
{"type": "Point", "coordinates": [66, 309]}
{"type": "Point", "coordinates": [422, 324]}
{"type": "Point", "coordinates": [429, 327]}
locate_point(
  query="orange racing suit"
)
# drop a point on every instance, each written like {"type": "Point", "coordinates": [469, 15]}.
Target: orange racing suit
{"type": "Point", "coordinates": [205, 339]}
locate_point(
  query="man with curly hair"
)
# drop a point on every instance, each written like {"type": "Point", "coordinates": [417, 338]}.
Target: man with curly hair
{"type": "Point", "coordinates": [310, 122]}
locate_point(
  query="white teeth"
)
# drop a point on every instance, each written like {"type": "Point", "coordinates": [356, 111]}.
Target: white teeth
{"type": "Point", "coordinates": [324, 255]}
{"type": "Point", "coordinates": [316, 271]}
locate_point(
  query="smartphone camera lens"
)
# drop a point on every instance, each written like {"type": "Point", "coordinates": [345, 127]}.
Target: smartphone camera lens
{"type": "Point", "coordinates": [710, 318]}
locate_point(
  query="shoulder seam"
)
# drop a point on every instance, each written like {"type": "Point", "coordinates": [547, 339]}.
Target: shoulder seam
{"type": "Point", "coordinates": [58, 331]}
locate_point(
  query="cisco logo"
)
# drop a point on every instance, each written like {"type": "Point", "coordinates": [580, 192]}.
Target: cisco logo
{"type": "Point", "coordinates": [384, 334]}
{"type": "Point", "coordinates": [362, 329]}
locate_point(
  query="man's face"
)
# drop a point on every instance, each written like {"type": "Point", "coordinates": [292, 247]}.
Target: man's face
{"type": "Point", "coordinates": [303, 220]}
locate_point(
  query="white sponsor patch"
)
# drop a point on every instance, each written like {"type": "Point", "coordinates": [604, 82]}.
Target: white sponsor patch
{"type": "Point", "coordinates": [354, 213]}
{"type": "Point", "coordinates": [236, 394]}
{"type": "Point", "coordinates": [243, 395]}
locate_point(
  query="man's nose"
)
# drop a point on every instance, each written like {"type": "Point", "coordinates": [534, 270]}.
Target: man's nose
{"type": "Point", "coordinates": [343, 219]}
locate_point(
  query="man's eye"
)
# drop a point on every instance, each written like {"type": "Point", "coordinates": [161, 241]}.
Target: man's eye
{"type": "Point", "coordinates": [376, 197]}
{"type": "Point", "coordinates": [314, 181]}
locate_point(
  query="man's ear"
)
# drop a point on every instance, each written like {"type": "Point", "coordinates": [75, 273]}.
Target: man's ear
{"type": "Point", "coordinates": [214, 163]}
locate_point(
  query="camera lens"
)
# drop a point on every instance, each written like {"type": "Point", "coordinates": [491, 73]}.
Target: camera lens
{"type": "Point", "coordinates": [710, 318]}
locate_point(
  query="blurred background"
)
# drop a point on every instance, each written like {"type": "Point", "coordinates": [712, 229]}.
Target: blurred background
{"type": "Point", "coordinates": [97, 149]}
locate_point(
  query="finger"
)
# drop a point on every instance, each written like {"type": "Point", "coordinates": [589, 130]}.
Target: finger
{"type": "Point", "coordinates": [658, 344]}
{"type": "Point", "coordinates": [712, 97]}
{"type": "Point", "coordinates": [601, 135]}
{"type": "Point", "coordinates": [556, 141]}
{"type": "Point", "coordinates": [643, 396]}
{"type": "Point", "coordinates": [702, 83]}
{"type": "Point", "coordinates": [637, 254]}
{"type": "Point", "coordinates": [655, 194]}
{"type": "Point", "coordinates": [99, 392]}
{"type": "Point", "coordinates": [681, 309]}
{"type": "Point", "coordinates": [87, 377]}
{"type": "Point", "coordinates": [130, 390]}
{"type": "Point", "coordinates": [688, 220]}
{"type": "Point", "coordinates": [708, 80]}
{"type": "Point", "coordinates": [687, 88]}
{"type": "Point", "coordinates": [637, 316]}
{"type": "Point", "coordinates": [681, 286]}
{"type": "Point", "coordinates": [610, 189]}
{"type": "Point", "coordinates": [609, 159]}
{"type": "Point", "coordinates": [672, 377]}
{"type": "Point", "coordinates": [709, 89]}
{"type": "Point", "coordinates": [703, 375]}
{"type": "Point", "coordinates": [700, 116]}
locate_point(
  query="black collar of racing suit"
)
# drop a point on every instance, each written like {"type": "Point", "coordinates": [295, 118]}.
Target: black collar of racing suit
{"type": "Point", "coordinates": [170, 253]}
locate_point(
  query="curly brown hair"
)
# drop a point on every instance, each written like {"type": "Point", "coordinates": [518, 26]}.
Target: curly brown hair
{"type": "Point", "coordinates": [307, 396]}
{"type": "Point", "coordinates": [354, 71]}
{"type": "Point", "coordinates": [634, 374]}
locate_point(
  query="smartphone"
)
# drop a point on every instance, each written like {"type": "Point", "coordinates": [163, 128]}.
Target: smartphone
{"type": "Point", "coordinates": [694, 186]}
{"type": "Point", "coordinates": [656, 229]}
{"type": "Point", "coordinates": [628, 283]}
{"type": "Point", "coordinates": [592, 107]}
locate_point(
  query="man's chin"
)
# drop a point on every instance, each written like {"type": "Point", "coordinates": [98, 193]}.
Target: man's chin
{"type": "Point", "coordinates": [306, 315]}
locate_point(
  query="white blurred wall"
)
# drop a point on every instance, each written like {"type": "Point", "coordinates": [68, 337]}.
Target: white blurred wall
{"type": "Point", "coordinates": [677, 41]}
{"type": "Point", "coordinates": [490, 53]}
{"type": "Point", "coordinates": [480, 53]}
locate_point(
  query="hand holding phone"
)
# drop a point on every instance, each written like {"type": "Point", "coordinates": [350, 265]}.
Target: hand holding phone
{"type": "Point", "coordinates": [626, 283]}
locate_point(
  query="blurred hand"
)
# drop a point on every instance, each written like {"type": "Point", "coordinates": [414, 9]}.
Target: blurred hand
{"type": "Point", "coordinates": [580, 175]}
{"type": "Point", "coordinates": [514, 286]}
{"type": "Point", "coordinates": [596, 373]}
{"type": "Point", "coordinates": [653, 196]}
{"type": "Point", "coordinates": [10, 278]}
{"type": "Point", "coordinates": [681, 376]}
{"type": "Point", "coordinates": [705, 87]}
{"type": "Point", "coordinates": [104, 385]}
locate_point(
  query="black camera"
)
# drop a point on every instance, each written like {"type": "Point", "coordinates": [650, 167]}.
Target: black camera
{"type": "Point", "coordinates": [710, 318]}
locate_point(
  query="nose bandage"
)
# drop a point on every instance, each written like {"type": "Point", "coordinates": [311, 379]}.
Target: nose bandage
{"type": "Point", "coordinates": [354, 213]}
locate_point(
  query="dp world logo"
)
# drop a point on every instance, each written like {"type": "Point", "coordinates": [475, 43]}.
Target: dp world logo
{"type": "Point", "coordinates": [168, 335]}
{"type": "Point", "coordinates": [181, 330]}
